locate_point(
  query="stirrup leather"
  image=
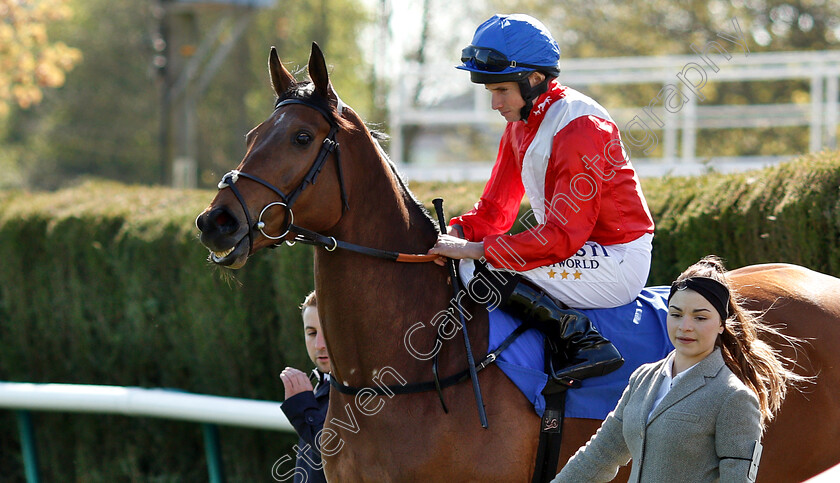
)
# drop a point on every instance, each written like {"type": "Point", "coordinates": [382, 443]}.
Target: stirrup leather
{"type": "Point", "coordinates": [585, 352]}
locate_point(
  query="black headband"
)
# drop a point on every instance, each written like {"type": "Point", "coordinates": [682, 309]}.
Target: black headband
{"type": "Point", "coordinates": [715, 292]}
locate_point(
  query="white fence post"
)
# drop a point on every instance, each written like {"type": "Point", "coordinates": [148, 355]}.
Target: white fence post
{"type": "Point", "coordinates": [831, 110]}
{"type": "Point", "coordinates": [815, 143]}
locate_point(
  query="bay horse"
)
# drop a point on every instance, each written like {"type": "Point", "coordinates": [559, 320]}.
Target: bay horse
{"type": "Point", "coordinates": [367, 305]}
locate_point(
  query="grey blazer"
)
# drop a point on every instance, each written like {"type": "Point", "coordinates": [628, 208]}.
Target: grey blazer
{"type": "Point", "coordinates": [704, 430]}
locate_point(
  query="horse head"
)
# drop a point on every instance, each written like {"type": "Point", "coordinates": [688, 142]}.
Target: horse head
{"type": "Point", "coordinates": [285, 154]}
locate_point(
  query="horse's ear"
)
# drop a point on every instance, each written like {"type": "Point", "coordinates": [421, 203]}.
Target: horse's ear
{"type": "Point", "coordinates": [281, 79]}
{"type": "Point", "coordinates": [318, 72]}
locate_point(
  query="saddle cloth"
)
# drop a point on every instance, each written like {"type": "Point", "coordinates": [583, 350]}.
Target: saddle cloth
{"type": "Point", "coordinates": [637, 329]}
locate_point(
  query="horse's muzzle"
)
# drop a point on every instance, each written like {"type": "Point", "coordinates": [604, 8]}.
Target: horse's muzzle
{"type": "Point", "coordinates": [224, 236]}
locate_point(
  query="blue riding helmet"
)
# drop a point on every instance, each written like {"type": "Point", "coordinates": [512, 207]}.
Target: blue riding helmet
{"type": "Point", "coordinates": [508, 48]}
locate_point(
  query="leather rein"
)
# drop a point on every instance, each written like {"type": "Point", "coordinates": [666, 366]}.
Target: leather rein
{"type": "Point", "coordinates": [309, 237]}
{"type": "Point", "coordinates": [303, 235]}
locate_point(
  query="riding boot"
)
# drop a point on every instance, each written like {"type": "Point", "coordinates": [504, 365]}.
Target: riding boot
{"type": "Point", "coordinates": [587, 353]}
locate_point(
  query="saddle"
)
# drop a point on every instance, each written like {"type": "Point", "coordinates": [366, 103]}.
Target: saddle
{"type": "Point", "coordinates": [637, 329]}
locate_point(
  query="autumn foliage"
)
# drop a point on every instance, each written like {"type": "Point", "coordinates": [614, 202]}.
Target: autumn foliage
{"type": "Point", "coordinates": [29, 62]}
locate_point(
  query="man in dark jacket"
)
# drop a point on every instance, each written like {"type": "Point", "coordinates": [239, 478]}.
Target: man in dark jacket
{"type": "Point", "coordinates": [305, 406]}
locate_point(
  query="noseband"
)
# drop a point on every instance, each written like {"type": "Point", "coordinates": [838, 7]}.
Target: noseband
{"type": "Point", "coordinates": [286, 201]}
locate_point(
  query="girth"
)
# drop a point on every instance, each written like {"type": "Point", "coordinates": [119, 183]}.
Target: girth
{"type": "Point", "coordinates": [426, 386]}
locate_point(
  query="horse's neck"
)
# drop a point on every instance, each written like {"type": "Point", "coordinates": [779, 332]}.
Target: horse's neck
{"type": "Point", "coordinates": [382, 210]}
{"type": "Point", "coordinates": [369, 304]}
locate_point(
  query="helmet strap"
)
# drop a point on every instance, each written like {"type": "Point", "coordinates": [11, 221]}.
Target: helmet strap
{"type": "Point", "coordinates": [529, 94]}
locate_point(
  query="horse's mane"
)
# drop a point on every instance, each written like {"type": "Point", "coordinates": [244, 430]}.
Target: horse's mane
{"type": "Point", "coordinates": [378, 135]}
{"type": "Point", "coordinates": [305, 90]}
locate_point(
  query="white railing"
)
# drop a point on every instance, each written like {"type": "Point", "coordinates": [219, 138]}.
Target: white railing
{"type": "Point", "coordinates": [209, 411]}
{"type": "Point", "coordinates": [821, 112]}
{"type": "Point", "coordinates": [831, 475]}
{"type": "Point", "coordinates": [136, 401]}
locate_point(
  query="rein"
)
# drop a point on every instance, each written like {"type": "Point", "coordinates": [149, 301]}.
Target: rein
{"type": "Point", "coordinates": [302, 235]}
{"type": "Point", "coordinates": [329, 243]}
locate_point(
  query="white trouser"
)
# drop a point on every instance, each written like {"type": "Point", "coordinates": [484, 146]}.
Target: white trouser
{"type": "Point", "coordinates": [597, 276]}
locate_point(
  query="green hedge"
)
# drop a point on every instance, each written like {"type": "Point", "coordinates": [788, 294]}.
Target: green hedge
{"type": "Point", "coordinates": [107, 284]}
{"type": "Point", "coordinates": [787, 213]}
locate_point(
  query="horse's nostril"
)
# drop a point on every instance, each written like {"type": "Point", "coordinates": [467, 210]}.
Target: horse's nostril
{"type": "Point", "coordinates": [219, 221]}
{"type": "Point", "coordinates": [223, 220]}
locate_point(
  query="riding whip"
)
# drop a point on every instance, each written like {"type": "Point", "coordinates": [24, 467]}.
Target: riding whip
{"type": "Point", "coordinates": [456, 288]}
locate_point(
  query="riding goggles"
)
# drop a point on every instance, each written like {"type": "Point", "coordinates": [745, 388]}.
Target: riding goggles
{"type": "Point", "coordinates": [491, 60]}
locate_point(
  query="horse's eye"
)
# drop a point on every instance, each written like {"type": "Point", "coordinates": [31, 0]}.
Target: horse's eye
{"type": "Point", "coordinates": [303, 138]}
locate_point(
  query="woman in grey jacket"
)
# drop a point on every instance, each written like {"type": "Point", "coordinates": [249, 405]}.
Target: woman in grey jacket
{"type": "Point", "coordinates": [698, 414]}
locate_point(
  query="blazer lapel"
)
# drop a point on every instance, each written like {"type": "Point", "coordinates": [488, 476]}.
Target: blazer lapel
{"type": "Point", "coordinates": [323, 389]}
{"type": "Point", "coordinates": [692, 381]}
{"type": "Point", "coordinates": [319, 380]}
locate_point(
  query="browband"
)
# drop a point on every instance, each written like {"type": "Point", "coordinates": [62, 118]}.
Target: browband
{"type": "Point", "coordinates": [294, 100]}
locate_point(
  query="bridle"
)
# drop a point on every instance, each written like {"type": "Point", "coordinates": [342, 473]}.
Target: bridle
{"type": "Point", "coordinates": [286, 201]}
{"type": "Point", "coordinates": [303, 235]}
{"type": "Point", "coordinates": [330, 243]}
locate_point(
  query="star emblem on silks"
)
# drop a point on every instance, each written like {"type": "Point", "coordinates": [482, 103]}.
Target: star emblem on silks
{"type": "Point", "coordinates": [577, 274]}
{"type": "Point", "coordinates": [551, 273]}
{"type": "Point", "coordinates": [565, 275]}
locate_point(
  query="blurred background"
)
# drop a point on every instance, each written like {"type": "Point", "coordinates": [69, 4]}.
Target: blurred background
{"type": "Point", "coordinates": [162, 92]}
{"type": "Point", "coordinates": [119, 117]}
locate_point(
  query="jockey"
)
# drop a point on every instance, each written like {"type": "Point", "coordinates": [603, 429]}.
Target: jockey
{"type": "Point", "coordinates": [590, 244]}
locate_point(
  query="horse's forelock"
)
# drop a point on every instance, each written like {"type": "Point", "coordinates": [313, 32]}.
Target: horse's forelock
{"type": "Point", "coordinates": [305, 91]}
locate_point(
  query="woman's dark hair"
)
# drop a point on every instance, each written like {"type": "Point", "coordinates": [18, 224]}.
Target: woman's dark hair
{"type": "Point", "coordinates": [743, 347]}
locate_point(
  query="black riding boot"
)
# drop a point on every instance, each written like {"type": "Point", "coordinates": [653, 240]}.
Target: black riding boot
{"type": "Point", "coordinates": [587, 353]}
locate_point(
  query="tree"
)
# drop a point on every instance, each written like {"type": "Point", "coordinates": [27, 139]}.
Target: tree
{"type": "Point", "coordinates": [104, 121]}
{"type": "Point", "coordinates": [29, 61]}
